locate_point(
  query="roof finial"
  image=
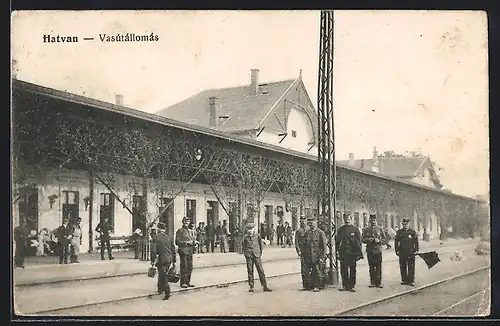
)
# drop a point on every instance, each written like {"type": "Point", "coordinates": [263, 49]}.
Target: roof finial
{"type": "Point", "coordinates": [300, 74]}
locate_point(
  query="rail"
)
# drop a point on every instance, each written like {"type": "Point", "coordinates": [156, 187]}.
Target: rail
{"type": "Point", "coordinates": [363, 306]}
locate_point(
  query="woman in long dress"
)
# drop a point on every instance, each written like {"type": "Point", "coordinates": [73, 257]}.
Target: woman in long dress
{"type": "Point", "coordinates": [223, 237]}
{"type": "Point", "coordinates": [40, 250]}
{"type": "Point", "coordinates": [76, 241]}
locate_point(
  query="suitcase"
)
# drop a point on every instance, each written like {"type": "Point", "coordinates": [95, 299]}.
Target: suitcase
{"type": "Point", "coordinates": [173, 275]}
{"type": "Point", "coordinates": [151, 272]}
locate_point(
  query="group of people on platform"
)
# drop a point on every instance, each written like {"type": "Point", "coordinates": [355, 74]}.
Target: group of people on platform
{"type": "Point", "coordinates": [284, 233]}
{"type": "Point", "coordinates": [210, 237]}
{"type": "Point", "coordinates": [349, 242]}
{"type": "Point", "coordinates": [311, 245]}
{"type": "Point", "coordinates": [65, 241]}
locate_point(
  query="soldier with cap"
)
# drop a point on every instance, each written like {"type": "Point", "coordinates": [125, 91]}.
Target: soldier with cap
{"type": "Point", "coordinates": [406, 246]}
{"type": "Point", "coordinates": [300, 239]}
{"type": "Point", "coordinates": [104, 229]}
{"type": "Point", "coordinates": [349, 251]}
{"type": "Point", "coordinates": [64, 238]}
{"type": "Point", "coordinates": [374, 237]}
{"type": "Point", "coordinates": [314, 253]}
{"type": "Point", "coordinates": [252, 250]}
{"type": "Point", "coordinates": [164, 257]}
{"type": "Point", "coordinates": [186, 244]}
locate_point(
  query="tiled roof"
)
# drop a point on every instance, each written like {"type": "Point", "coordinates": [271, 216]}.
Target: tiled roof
{"type": "Point", "coordinates": [399, 167]}
{"type": "Point", "coordinates": [244, 110]}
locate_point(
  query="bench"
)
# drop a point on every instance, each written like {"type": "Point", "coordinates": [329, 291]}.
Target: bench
{"type": "Point", "coordinates": [117, 243]}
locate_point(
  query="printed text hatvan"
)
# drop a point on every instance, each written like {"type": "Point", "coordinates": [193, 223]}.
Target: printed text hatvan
{"type": "Point", "coordinates": [47, 38]}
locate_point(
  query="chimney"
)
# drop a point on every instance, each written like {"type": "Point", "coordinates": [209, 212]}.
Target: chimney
{"type": "Point", "coordinates": [119, 99]}
{"type": "Point", "coordinates": [375, 162]}
{"type": "Point", "coordinates": [351, 159]}
{"type": "Point", "coordinates": [212, 113]}
{"type": "Point", "coordinates": [254, 81]}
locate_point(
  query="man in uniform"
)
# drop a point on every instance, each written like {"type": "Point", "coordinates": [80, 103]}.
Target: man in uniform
{"type": "Point", "coordinates": [63, 238]}
{"type": "Point", "coordinates": [288, 234]}
{"type": "Point", "coordinates": [279, 233]}
{"type": "Point", "coordinates": [300, 239]}
{"type": "Point", "coordinates": [20, 238]}
{"type": "Point", "coordinates": [164, 256]}
{"type": "Point", "coordinates": [314, 253]}
{"type": "Point", "coordinates": [210, 236]}
{"type": "Point", "coordinates": [252, 250]}
{"type": "Point", "coordinates": [349, 251]}
{"type": "Point", "coordinates": [186, 243]}
{"type": "Point", "coordinates": [406, 246]}
{"type": "Point", "coordinates": [374, 237]}
{"type": "Point", "coordinates": [104, 228]}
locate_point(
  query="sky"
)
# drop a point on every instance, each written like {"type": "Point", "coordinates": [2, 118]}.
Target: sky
{"type": "Point", "coordinates": [403, 80]}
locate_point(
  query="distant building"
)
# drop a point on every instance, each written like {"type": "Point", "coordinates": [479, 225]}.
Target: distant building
{"type": "Point", "coordinates": [418, 168]}
{"type": "Point", "coordinates": [279, 113]}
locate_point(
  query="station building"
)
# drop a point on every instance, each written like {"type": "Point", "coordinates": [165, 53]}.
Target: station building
{"type": "Point", "coordinates": [56, 174]}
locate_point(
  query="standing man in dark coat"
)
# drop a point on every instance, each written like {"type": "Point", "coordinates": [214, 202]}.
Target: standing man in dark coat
{"type": "Point", "coordinates": [406, 246]}
{"type": "Point", "coordinates": [21, 239]}
{"type": "Point", "coordinates": [300, 241]}
{"type": "Point", "coordinates": [186, 244]}
{"type": "Point", "coordinates": [349, 251]}
{"type": "Point", "coordinates": [288, 234]}
{"type": "Point", "coordinates": [63, 238]}
{"type": "Point", "coordinates": [252, 249]}
{"type": "Point", "coordinates": [315, 254]}
{"type": "Point", "coordinates": [279, 233]}
{"type": "Point", "coordinates": [210, 235]}
{"type": "Point", "coordinates": [104, 228]}
{"type": "Point", "coordinates": [164, 257]}
{"type": "Point", "coordinates": [374, 237]}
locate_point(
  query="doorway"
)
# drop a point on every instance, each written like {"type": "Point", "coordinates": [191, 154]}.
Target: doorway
{"type": "Point", "coordinates": [191, 210]}
{"type": "Point", "coordinates": [138, 211]}
{"type": "Point", "coordinates": [280, 213]}
{"type": "Point", "coordinates": [106, 209]}
{"type": "Point", "coordinates": [233, 216]}
{"type": "Point", "coordinates": [167, 215]}
{"type": "Point", "coordinates": [268, 215]}
{"type": "Point", "coordinates": [28, 208]}
{"type": "Point", "coordinates": [70, 209]}
{"type": "Point", "coordinates": [212, 212]}
{"type": "Point", "coordinates": [295, 216]}
{"type": "Point", "coordinates": [250, 213]}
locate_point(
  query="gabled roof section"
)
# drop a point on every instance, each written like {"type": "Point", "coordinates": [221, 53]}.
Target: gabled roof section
{"type": "Point", "coordinates": [398, 166]}
{"type": "Point", "coordinates": [242, 109]}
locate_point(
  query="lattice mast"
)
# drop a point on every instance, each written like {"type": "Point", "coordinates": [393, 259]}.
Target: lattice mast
{"type": "Point", "coordinates": [326, 139]}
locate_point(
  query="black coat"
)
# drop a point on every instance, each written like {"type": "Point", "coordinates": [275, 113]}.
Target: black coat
{"type": "Point", "coordinates": [20, 235]}
{"type": "Point", "coordinates": [62, 234]}
{"type": "Point", "coordinates": [164, 249]}
{"type": "Point", "coordinates": [348, 242]}
{"type": "Point", "coordinates": [406, 242]}
{"type": "Point", "coordinates": [104, 229]}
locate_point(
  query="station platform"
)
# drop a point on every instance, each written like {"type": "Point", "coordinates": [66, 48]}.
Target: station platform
{"type": "Point", "coordinates": [122, 265]}
{"type": "Point", "coordinates": [88, 297]}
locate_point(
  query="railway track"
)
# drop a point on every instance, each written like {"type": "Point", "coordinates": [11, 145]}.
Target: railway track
{"type": "Point", "coordinates": [369, 308]}
{"type": "Point", "coordinates": [442, 312]}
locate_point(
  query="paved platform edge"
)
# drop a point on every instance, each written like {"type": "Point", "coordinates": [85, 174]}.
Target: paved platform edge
{"type": "Point", "coordinates": [94, 277]}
